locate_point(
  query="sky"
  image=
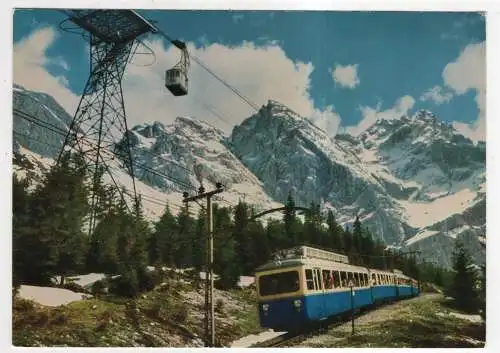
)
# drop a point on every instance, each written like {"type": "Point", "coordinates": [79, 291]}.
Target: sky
{"type": "Point", "coordinates": [343, 70]}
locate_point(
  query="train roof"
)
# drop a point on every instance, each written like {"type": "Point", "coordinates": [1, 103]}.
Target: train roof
{"type": "Point", "coordinates": [310, 253]}
{"type": "Point", "coordinates": [313, 257]}
{"type": "Point", "coordinates": [279, 264]}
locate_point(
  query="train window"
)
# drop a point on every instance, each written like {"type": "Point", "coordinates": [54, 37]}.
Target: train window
{"type": "Point", "coordinates": [343, 277]}
{"type": "Point", "coordinates": [358, 280]}
{"type": "Point", "coordinates": [327, 279]}
{"type": "Point", "coordinates": [317, 279]}
{"type": "Point", "coordinates": [336, 279]}
{"type": "Point", "coordinates": [309, 279]}
{"type": "Point", "coordinates": [277, 283]}
{"type": "Point", "coordinates": [366, 279]}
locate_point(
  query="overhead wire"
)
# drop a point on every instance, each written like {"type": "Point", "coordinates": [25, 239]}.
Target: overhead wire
{"type": "Point", "coordinates": [60, 131]}
{"type": "Point", "coordinates": [144, 196]}
{"type": "Point", "coordinates": [206, 68]}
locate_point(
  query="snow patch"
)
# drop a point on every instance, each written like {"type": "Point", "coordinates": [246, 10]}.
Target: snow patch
{"type": "Point", "coordinates": [50, 296]}
{"type": "Point", "coordinates": [420, 236]}
{"type": "Point", "coordinates": [250, 340]}
{"type": "Point", "coordinates": [468, 317]}
{"type": "Point", "coordinates": [88, 279]}
{"type": "Point", "coordinates": [246, 281]}
{"type": "Point", "coordinates": [146, 142]}
{"type": "Point", "coordinates": [422, 214]}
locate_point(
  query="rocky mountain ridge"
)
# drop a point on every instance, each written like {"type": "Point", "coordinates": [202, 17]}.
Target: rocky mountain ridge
{"type": "Point", "coordinates": [415, 182]}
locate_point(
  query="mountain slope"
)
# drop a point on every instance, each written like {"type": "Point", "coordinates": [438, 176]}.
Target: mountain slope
{"type": "Point", "coordinates": [415, 182]}
{"type": "Point", "coordinates": [173, 152]}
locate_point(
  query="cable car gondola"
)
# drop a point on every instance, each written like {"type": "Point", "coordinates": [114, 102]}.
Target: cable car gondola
{"type": "Point", "coordinates": [176, 79]}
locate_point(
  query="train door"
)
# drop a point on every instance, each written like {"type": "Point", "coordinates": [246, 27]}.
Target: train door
{"type": "Point", "coordinates": [318, 286]}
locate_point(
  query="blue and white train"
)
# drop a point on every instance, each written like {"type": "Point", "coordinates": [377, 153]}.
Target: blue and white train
{"type": "Point", "coordinates": [307, 285]}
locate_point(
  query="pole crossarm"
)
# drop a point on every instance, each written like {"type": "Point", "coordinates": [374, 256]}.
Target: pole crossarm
{"type": "Point", "coordinates": [203, 195]}
{"type": "Point", "coordinates": [297, 208]}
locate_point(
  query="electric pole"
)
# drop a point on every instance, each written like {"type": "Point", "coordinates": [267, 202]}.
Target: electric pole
{"type": "Point", "coordinates": [209, 272]}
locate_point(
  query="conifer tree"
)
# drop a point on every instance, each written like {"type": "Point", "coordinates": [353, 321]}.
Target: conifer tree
{"type": "Point", "coordinates": [244, 246]}
{"type": "Point", "coordinates": [227, 263]}
{"type": "Point", "coordinates": [163, 244]}
{"type": "Point", "coordinates": [261, 247]}
{"type": "Point", "coordinates": [463, 286]}
{"type": "Point", "coordinates": [26, 260]}
{"type": "Point", "coordinates": [290, 222]}
{"type": "Point", "coordinates": [199, 241]}
{"type": "Point", "coordinates": [60, 210]}
{"type": "Point", "coordinates": [334, 233]}
{"type": "Point", "coordinates": [186, 232]}
{"type": "Point", "coordinates": [102, 254]}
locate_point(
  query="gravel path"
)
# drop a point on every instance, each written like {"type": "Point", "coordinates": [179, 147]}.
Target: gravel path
{"type": "Point", "coordinates": [372, 318]}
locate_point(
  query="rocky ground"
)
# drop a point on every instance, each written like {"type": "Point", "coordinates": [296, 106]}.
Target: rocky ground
{"type": "Point", "coordinates": [424, 322]}
{"type": "Point", "coordinates": [169, 316]}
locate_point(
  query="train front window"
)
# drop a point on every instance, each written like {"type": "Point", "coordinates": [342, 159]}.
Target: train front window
{"type": "Point", "coordinates": [277, 283]}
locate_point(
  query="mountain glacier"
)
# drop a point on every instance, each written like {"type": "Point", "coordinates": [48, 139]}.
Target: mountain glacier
{"type": "Point", "coordinates": [415, 182]}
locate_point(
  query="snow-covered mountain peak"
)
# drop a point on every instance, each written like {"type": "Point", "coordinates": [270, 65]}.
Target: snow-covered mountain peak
{"type": "Point", "coordinates": [414, 181]}
{"type": "Point", "coordinates": [279, 109]}
{"type": "Point", "coordinates": [424, 115]}
{"type": "Point", "coordinates": [187, 125]}
{"type": "Point", "coordinates": [150, 130]}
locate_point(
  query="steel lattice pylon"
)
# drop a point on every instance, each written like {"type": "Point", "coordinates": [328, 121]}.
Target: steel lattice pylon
{"type": "Point", "coordinates": [99, 127]}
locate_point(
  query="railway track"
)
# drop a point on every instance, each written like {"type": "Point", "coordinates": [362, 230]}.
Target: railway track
{"type": "Point", "coordinates": [289, 339]}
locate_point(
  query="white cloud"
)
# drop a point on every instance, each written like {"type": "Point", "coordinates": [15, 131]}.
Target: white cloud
{"type": "Point", "coordinates": [345, 76]}
{"type": "Point", "coordinates": [328, 120]}
{"type": "Point", "coordinates": [258, 72]}
{"type": "Point", "coordinates": [436, 94]}
{"type": "Point", "coordinates": [468, 72]}
{"type": "Point", "coordinates": [371, 115]}
{"type": "Point", "coordinates": [29, 63]}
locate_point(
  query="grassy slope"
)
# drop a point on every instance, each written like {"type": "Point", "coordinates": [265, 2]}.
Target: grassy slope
{"type": "Point", "coordinates": [409, 323]}
{"type": "Point", "coordinates": [167, 316]}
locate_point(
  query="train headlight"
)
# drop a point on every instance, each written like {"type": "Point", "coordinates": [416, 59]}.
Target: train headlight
{"type": "Point", "coordinates": [265, 307]}
{"type": "Point", "coordinates": [297, 303]}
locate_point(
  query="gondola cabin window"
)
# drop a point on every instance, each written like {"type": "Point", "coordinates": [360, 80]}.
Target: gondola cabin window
{"type": "Point", "coordinates": [176, 81]}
